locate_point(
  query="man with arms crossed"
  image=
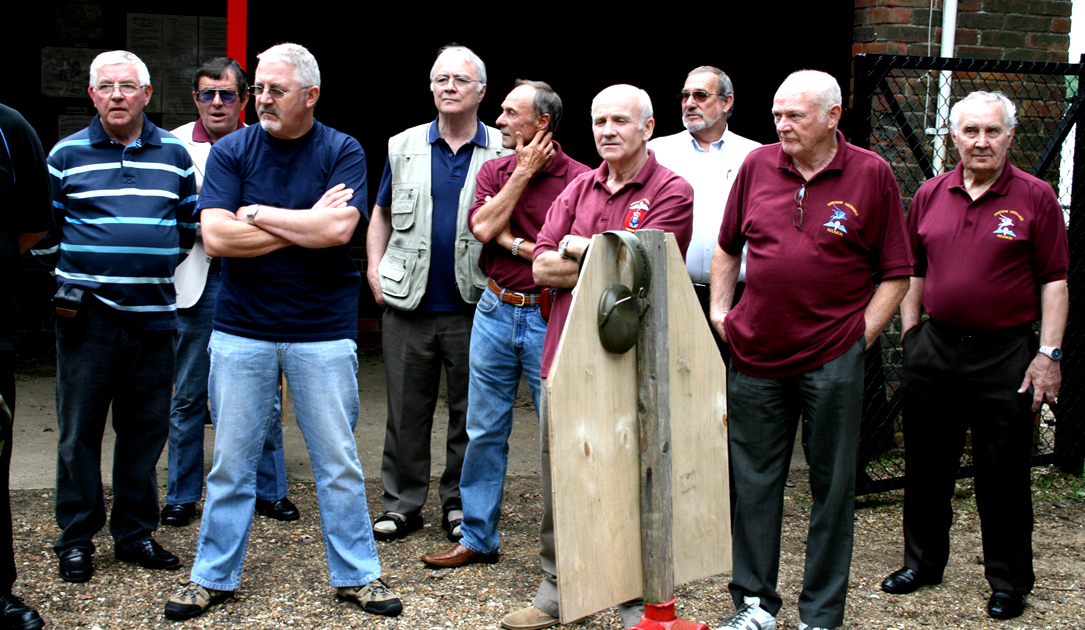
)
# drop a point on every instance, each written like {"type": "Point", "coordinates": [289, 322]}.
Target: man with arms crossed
{"type": "Point", "coordinates": [628, 191]}
{"type": "Point", "coordinates": [819, 216]}
{"type": "Point", "coordinates": [220, 91]}
{"type": "Point", "coordinates": [511, 199]}
{"type": "Point", "coordinates": [277, 204]}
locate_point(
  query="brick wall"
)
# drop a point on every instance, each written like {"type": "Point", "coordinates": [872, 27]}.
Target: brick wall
{"type": "Point", "coordinates": [1020, 30]}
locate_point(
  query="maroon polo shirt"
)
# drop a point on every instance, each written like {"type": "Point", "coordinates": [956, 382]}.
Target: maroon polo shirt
{"type": "Point", "coordinates": [807, 291]}
{"type": "Point", "coordinates": [514, 272]}
{"type": "Point", "coordinates": [985, 260]}
{"type": "Point", "coordinates": [657, 199]}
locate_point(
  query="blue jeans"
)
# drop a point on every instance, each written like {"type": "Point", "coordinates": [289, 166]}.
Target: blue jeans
{"type": "Point", "coordinates": [324, 384]}
{"type": "Point", "coordinates": [506, 340]}
{"type": "Point", "coordinates": [189, 408]}
{"type": "Point", "coordinates": [763, 415]}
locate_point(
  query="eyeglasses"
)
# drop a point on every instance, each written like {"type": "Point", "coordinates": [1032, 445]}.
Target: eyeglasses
{"type": "Point", "coordinates": [207, 96]}
{"type": "Point", "coordinates": [699, 96]}
{"type": "Point", "coordinates": [127, 89]}
{"type": "Point", "coordinates": [275, 93]}
{"type": "Point", "coordinates": [459, 81]}
{"type": "Point", "coordinates": [800, 196]}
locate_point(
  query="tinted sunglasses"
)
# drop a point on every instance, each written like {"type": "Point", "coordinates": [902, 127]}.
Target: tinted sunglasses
{"type": "Point", "coordinates": [207, 96]}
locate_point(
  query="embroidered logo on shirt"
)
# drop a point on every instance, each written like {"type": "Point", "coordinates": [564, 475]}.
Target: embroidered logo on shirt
{"type": "Point", "coordinates": [840, 214]}
{"type": "Point", "coordinates": [835, 224]}
{"type": "Point", "coordinates": [1005, 222]}
{"type": "Point", "coordinates": [637, 211]}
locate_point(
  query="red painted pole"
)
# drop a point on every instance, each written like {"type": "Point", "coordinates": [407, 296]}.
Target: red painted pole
{"type": "Point", "coordinates": [237, 42]}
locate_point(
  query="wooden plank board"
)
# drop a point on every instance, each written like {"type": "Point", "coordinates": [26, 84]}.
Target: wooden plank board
{"type": "Point", "coordinates": [595, 451]}
{"type": "Point", "coordinates": [701, 488]}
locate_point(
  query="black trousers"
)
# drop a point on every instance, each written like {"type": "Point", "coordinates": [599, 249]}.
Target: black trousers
{"type": "Point", "coordinates": [952, 381]}
{"type": "Point", "coordinates": [7, 552]}
{"type": "Point", "coordinates": [104, 363]}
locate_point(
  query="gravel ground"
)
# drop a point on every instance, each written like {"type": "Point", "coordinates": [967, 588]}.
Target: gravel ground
{"type": "Point", "coordinates": [285, 581]}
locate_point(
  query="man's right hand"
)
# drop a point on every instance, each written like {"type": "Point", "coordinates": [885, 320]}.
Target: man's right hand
{"type": "Point", "coordinates": [373, 277]}
{"type": "Point", "coordinates": [336, 197]}
{"type": "Point", "coordinates": [717, 322]}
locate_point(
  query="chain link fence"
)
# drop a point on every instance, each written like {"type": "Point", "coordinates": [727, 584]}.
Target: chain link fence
{"type": "Point", "coordinates": [901, 110]}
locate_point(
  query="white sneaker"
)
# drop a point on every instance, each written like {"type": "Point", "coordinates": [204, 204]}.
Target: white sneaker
{"type": "Point", "coordinates": [803, 626]}
{"type": "Point", "coordinates": [750, 617]}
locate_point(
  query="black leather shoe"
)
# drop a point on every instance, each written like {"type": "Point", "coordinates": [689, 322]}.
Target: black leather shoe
{"type": "Point", "coordinates": [149, 555]}
{"type": "Point", "coordinates": [452, 523]}
{"type": "Point", "coordinates": [16, 614]}
{"type": "Point", "coordinates": [281, 510]}
{"type": "Point", "coordinates": [1005, 604]}
{"type": "Point", "coordinates": [178, 515]}
{"type": "Point", "coordinates": [75, 564]}
{"type": "Point", "coordinates": [906, 581]}
{"type": "Point", "coordinates": [392, 525]}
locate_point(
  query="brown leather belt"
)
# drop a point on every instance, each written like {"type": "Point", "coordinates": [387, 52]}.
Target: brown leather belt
{"type": "Point", "coordinates": [514, 298]}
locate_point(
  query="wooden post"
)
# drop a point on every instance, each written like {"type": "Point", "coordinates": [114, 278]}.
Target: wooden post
{"type": "Point", "coordinates": [654, 413]}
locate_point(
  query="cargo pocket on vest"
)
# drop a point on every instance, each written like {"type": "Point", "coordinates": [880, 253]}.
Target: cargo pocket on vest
{"type": "Point", "coordinates": [404, 201]}
{"type": "Point", "coordinates": [396, 270]}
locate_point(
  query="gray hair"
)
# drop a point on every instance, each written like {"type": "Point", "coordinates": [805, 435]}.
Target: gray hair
{"type": "Point", "coordinates": [465, 53]}
{"type": "Point", "coordinates": [643, 100]}
{"type": "Point", "coordinates": [306, 70]}
{"type": "Point", "coordinates": [723, 82]}
{"type": "Point", "coordinates": [115, 57]}
{"type": "Point", "coordinates": [546, 101]}
{"type": "Point", "coordinates": [1009, 110]}
{"type": "Point", "coordinates": [822, 85]}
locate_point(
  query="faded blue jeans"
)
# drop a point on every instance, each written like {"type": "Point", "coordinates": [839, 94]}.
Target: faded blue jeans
{"type": "Point", "coordinates": [324, 385]}
{"type": "Point", "coordinates": [189, 408]}
{"type": "Point", "coordinates": [506, 341]}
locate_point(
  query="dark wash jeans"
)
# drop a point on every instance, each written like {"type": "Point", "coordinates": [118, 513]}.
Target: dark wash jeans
{"type": "Point", "coordinates": [103, 361]}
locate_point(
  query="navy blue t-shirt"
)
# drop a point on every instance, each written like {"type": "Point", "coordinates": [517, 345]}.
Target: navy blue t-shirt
{"type": "Point", "coordinates": [448, 172]}
{"type": "Point", "coordinates": [294, 294]}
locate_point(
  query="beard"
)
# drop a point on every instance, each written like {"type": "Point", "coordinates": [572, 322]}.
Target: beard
{"type": "Point", "coordinates": [704, 123]}
{"type": "Point", "coordinates": [270, 125]}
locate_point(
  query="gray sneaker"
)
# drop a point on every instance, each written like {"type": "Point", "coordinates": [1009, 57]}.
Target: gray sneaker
{"type": "Point", "coordinates": [374, 598]}
{"type": "Point", "coordinates": [750, 617]}
{"type": "Point", "coordinates": [192, 600]}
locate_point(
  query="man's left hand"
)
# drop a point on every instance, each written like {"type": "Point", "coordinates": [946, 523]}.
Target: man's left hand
{"type": "Point", "coordinates": [1045, 377]}
{"type": "Point", "coordinates": [536, 155]}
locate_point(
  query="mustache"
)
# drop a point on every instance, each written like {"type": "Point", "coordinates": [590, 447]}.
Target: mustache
{"type": "Point", "coordinates": [268, 109]}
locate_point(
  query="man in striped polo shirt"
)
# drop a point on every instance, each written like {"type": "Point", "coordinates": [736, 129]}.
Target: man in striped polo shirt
{"type": "Point", "coordinates": [125, 193]}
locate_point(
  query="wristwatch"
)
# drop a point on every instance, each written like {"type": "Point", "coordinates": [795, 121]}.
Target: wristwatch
{"type": "Point", "coordinates": [516, 247]}
{"type": "Point", "coordinates": [250, 215]}
{"type": "Point", "coordinates": [1051, 351]}
{"type": "Point", "coordinates": [561, 249]}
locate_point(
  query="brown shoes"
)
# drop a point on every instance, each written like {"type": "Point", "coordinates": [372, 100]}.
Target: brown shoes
{"type": "Point", "coordinates": [458, 556]}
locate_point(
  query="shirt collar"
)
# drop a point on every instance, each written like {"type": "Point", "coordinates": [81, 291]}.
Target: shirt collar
{"type": "Point", "coordinates": [715, 147]}
{"type": "Point", "coordinates": [199, 132]}
{"type": "Point", "coordinates": [1001, 187]}
{"type": "Point", "coordinates": [784, 161]}
{"type": "Point", "coordinates": [559, 165]}
{"type": "Point", "coordinates": [639, 181]}
{"type": "Point", "coordinates": [480, 138]}
{"type": "Point", "coordinates": [149, 134]}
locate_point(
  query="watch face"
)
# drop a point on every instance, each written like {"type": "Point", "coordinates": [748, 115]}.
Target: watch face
{"type": "Point", "coordinates": [1056, 354]}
